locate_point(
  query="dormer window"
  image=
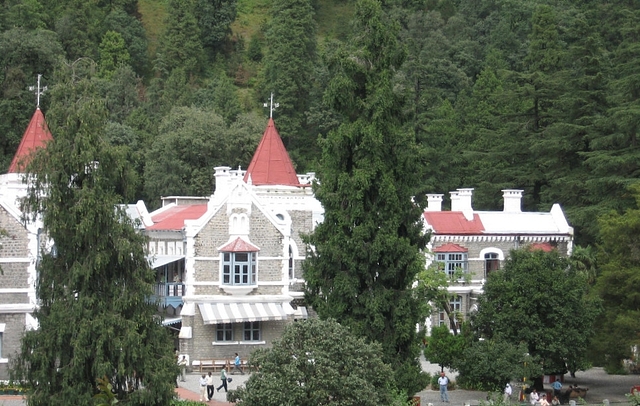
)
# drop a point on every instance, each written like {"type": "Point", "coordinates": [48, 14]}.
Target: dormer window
{"type": "Point", "coordinates": [239, 268]}
{"type": "Point", "coordinates": [239, 263]}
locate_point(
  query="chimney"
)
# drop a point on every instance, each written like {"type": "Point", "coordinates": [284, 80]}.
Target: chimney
{"type": "Point", "coordinates": [223, 180]}
{"type": "Point", "coordinates": [434, 202]}
{"type": "Point", "coordinates": [512, 200]}
{"type": "Point", "coordinates": [461, 200]}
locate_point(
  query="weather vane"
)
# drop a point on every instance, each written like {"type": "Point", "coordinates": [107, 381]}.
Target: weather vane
{"type": "Point", "coordinates": [271, 106]}
{"type": "Point", "coordinates": [38, 91]}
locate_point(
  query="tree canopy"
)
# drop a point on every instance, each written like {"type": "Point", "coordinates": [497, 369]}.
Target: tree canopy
{"type": "Point", "coordinates": [367, 252]}
{"type": "Point", "coordinates": [540, 300]}
{"type": "Point", "coordinates": [319, 362]}
{"type": "Point", "coordinates": [94, 286]}
{"type": "Point", "coordinates": [618, 328]}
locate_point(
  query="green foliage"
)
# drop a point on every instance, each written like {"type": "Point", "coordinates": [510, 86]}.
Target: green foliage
{"type": "Point", "coordinates": [113, 54]}
{"type": "Point", "coordinates": [288, 73]}
{"type": "Point", "coordinates": [488, 365]}
{"type": "Point", "coordinates": [191, 142]}
{"type": "Point", "coordinates": [23, 55]}
{"type": "Point", "coordinates": [94, 317]}
{"type": "Point", "coordinates": [319, 362]}
{"type": "Point", "coordinates": [616, 285]}
{"type": "Point", "coordinates": [367, 251]}
{"type": "Point", "coordinates": [444, 348]}
{"type": "Point", "coordinates": [180, 44]}
{"type": "Point", "coordinates": [538, 299]}
{"type": "Point", "coordinates": [106, 397]}
{"type": "Point", "coordinates": [214, 20]}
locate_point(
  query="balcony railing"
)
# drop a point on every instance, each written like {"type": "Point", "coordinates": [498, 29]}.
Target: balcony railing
{"type": "Point", "coordinates": [169, 294]}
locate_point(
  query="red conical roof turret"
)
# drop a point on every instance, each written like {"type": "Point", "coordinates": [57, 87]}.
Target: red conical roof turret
{"type": "Point", "coordinates": [36, 136]}
{"type": "Point", "coordinates": [271, 164]}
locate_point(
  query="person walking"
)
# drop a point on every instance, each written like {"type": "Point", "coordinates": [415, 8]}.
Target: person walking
{"type": "Point", "coordinates": [443, 381]}
{"type": "Point", "coordinates": [237, 365]}
{"type": "Point", "coordinates": [223, 377]}
{"type": "Point", "coordinates": [210, 387]}
{"type": "Point", "coordinates": [507, 393]}
{"type": "Point", "coordinates": [203, 388]}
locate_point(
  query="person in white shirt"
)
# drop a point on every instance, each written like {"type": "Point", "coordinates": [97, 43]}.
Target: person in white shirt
{"type": "Point", "coordinates": [534, 397]}
{"type": "Point", "coordinates": [203, 387]}
{"type": "Point", "coordinates": [443, 381]}
{"type": "Point", "coordinates": [507, 393]}
{"type": "Point", "coordinates": [210, 388]}
{"type": "Point", "coordinates": [544, 401]}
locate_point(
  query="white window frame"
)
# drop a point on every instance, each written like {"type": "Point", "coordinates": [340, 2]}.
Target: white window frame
{"type": "Point", "coordinates": [233, 271]}
{"type": "Point", "coordinates": [252, 327]}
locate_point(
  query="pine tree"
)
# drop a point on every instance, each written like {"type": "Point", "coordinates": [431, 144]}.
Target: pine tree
{"type": "Point", "coordinates": [288, 72]}
{"type": "Point", "coordinates": [95, 317]}
{"type": "Point", "coordinates": [367, 251]}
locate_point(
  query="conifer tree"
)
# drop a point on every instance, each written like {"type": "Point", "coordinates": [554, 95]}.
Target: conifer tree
{"type": "Point", "coordinates": [289, 72]}
{"type": "Point", "coordinates": [367, 251]}
{"type": "Point", "coordinates": [94, 287]}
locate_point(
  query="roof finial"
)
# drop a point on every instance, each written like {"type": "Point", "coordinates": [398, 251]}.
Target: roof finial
{"type": "Point", "coordinates": [38, 91]}
{"type": "Point", "coordinates": [271, 106]}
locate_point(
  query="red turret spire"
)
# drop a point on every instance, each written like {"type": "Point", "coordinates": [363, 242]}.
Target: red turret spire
{"type": "Point", "coordinates": [36, 136]}
{"type": "Point", "coordinates": [271, 164]}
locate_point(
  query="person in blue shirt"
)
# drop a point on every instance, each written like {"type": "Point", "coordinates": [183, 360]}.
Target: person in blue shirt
{"type": "Point", "coordinates": [557, 387]}
{"type": "Point", "coordinates": [237, 365]}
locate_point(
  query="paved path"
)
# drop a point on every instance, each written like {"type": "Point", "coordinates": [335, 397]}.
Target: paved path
{"type": "Point", "coordinates": [601, 386]}
{"type": "Point", "coordinates": [190, 390]}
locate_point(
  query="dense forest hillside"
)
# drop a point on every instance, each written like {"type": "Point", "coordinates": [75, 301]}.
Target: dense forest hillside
{"type": "Point", "coordinates": [533, 94]}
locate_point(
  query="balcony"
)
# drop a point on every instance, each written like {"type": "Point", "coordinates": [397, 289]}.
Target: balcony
{"type": "Point", "coordinates": [169, 294]}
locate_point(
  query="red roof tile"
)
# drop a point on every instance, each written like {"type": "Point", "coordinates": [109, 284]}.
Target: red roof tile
{"type": "Point", "coordinates": [271, 164]}
{"type": "Point", "coordinates": [239, 245]}
{"type": "Point", "coordinates": [36, 136]}
{"type": "Point", "coordinates": [173, 218]}
{"type": "Point", "coordinates": [453, 222]}
{"type": "Point", "coordinates": [542, 246]}
{"type": "Point", "coordinates": [450, 247]}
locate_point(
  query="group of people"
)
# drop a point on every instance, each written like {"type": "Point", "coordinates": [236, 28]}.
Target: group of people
{"type": "Point", "coordinates": [206, 385]}
{"type": "Point", "coordinates": [535, 397]}
{"type": "Point", "coordinates": [207, 388]}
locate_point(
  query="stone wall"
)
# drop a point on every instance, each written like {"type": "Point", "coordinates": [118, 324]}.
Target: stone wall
{"type": "Point", "coordinates": [13, 331]}
{"type": "Point", "coordinates": [14, 252]}
{"type": "Point", "coordinates": [203, 345]}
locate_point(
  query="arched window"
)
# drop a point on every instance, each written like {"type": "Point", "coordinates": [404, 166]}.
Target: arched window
{"type": "Point", "coordinates": [491, 263]}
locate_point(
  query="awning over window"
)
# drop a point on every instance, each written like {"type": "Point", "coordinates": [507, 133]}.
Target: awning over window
{"type": "Point", "coordinates": [159, 260]}
{"type": "Point", "coordinates": [217, 313]}
{"type": "Point", "coordinates": [300, 313]}
{"type": "Point", "coordinates": [169, 322]}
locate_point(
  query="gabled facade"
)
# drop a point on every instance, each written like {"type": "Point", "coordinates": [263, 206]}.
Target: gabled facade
{"type": "Point", "coordinates": [470, 244]}
{"type": "Point", "coordinates": [19, 247]}
{"type": "Point", "coordinates": [234, 258]}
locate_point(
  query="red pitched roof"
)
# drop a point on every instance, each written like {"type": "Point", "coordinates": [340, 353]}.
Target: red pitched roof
{"type": "Point", "coordinates": [239, 245]}
{"type": "Point", "coordinates": [271, 164]}
{"type": "Point", "coordinates": [453, 222]}
{"type": "Point", "coordinates": [174, 217]}
{"type": "Point", "coordinates": [36, 136]}
{"type": "Point", "coordinates": [450, 247]}
{"type": "Point", "coordinates": [542, 246]}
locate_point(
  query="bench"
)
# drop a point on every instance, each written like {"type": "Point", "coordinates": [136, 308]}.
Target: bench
{"type": "Point", "coordinates": [212, 364]}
